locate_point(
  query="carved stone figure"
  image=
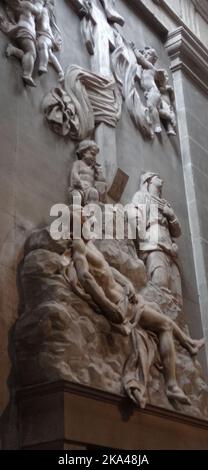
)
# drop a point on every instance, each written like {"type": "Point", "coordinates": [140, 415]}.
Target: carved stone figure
{"type": "Point", "coordinates": [160, 257]}
{"type": "Point", "coordinates": [128, 74]}
{"type": "Point", "coordinates": [87, 179]}
{"type": "Point", "coordinates": [166, 110]}
{"type": "Point", "coordinates": [87, 100]}
{"type": "Point", "coordinates": [88, 24]}
{"type": "Point", "coordinates": [48, 39]}
{"type": "Point", "coordinates": [23, 33]}
{"type": "Point", "coordinates": [147, 59]}
{"type": "Point", "coordinates": [117, 299]}
{"type": "Point", "coordinates": [32, 28]}
{"type": "Point", "coordinates": [83, 318]}
{"type": "Point", "coordinates": [111, 14]}
{"type": "Point", "coordinates": [97, 18]}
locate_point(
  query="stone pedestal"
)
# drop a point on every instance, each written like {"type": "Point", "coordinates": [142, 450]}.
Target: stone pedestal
{"type": "Point", "coordinates": [63, 415]}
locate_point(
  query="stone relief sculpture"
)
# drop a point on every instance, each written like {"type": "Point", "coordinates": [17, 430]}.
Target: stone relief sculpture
{"type": "Point", "coordinates": [62, 279]}
{"type": "Point", "coordinates": [32, 29]}
{"type": "Point", "coordinates": [160, 258]}
{"type": "Point", "coordinates": [118, 301]}
{"type": "Point", "coordinates": [111, 13]}
{"type": "Point", "coordinates": [89, 12]}
{"type": "Point", "coordinates": [86, 100]}
{"type": "Point", "coordinates": [147, 59]}
{"type": "Point", "coordinates": [48, 39]}
{"type": "Point", "coordinates": [127, 74]}
{"type": "Point", "coordinates": [87, 179]}
{"type": "Point", "coordinates": [158, 93]}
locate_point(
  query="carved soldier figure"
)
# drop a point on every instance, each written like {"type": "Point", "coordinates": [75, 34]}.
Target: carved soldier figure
{"type": "Point", "coordinates": [160, 257]}
{"type": "Point", "coordinates": [87, 179]}
{"type": "Point", "coordinates": [116, 298]}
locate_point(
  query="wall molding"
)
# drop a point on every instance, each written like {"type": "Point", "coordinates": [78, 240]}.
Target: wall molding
{"type": "Point", "coordinates": [187, 53]}
{"type": "Point", "coordinates": [202, 8]}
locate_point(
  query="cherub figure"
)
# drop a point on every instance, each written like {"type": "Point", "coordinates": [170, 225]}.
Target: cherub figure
{"type": "Point", "coordinates": [33, 28]}
{"type": "Point", "coordinates": [87, 179]}
{"type": "Point", "coordinates": [48, 38]}
{"type": "Point", "coordinates": [22, 31]}
{"type": "Point", "coordinates": [147, 59]}
{"type": "Point", "coordinates": [166, 111]}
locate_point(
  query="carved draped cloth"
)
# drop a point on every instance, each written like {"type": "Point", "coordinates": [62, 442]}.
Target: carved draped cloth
{"type": "Point", "coordinates": [86, 100]}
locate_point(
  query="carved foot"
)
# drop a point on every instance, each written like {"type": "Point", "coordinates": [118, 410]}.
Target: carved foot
{"type": "Point", "coordinates": [42, 70]}
{"type": "Point", "coordinates": [171, 132]}
{"type": "Point", "coordinates": [28, 80]}
{"type": "Point", "coordinates": [9, 50]}
{"type": "Point", "coordinates": [137, 397]}
{"type": "Point", "coordinates": [61, 77]}
{"type": "Point", "coordinates": [114, 17]}
{"type": "Point", "coordinates": [158, 130]}
{"type": "Point", "coordinates": [175, 393]}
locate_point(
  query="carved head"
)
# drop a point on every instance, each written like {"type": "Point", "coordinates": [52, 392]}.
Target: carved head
{"type": "Point", "coordinates": [87, 151]}
{"type": "Point", "coordinates": [150, 55]}
{"type": "Point", "coordinates": [147, 179]}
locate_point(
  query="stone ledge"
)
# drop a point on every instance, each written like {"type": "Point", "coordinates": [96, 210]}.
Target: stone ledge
{"type": "Point", "coordinates": [64, 412]}
{"type": "Point", "coordinates": [187, 53]}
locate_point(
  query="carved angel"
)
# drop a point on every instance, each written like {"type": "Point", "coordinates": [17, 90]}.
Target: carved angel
{"type": "Point", "coordinates": [31, 26]}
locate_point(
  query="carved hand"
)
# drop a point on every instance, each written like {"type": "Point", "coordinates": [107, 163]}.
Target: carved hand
{"type": "Point", "coordinates": [131, 294]}
{"type": "Point", "coordinates": [168, 212]}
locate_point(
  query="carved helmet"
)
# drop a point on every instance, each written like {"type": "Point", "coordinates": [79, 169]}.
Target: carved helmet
{"type": "Point", "coordinates": [145, 179]}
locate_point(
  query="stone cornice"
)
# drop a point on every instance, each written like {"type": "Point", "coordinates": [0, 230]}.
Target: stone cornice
{"type": "Point", "coordinates": [64, 386]}
{"type": "Point", "coordinates": [162, 16]}
{"type": "Point", "coordinates": [186, 52]}
{"type": "Point", "coordinates": [202, 8]}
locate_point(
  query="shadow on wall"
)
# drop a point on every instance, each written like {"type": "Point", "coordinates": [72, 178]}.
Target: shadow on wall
{"type": "Point", "coordinates": [9, 426]}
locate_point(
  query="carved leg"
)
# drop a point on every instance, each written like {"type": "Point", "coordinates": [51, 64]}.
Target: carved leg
{"type": "Point", "coordinates": [57, 66]}
{"type": "Point", "coordinates": [153, 102]}
{"type": "Point", "coordinates": [14, 51]}
{"type": "Point", "coordinates": [43, 55]}
{"type": "Point", "coordinates": [169, 118]}
{"type": "Point", "coordinates": [158, 269]}
{"type": "Point", "coordinates": [165, 329]}
{"type": "Point", "coordinates": [28, 60]}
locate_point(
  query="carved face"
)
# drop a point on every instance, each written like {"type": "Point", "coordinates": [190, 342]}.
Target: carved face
{"type": "Point", "coordinates": [89, 155]}
{"type": "Point", "coordinates": [151, 55]}
{"type": "Point", "coordinates": [157, 182]}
